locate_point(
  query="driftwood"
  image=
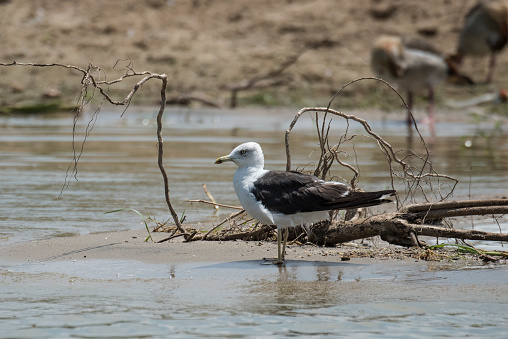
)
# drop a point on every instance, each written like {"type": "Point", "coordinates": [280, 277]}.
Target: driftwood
{"type": "Point", "coordinates": [403, 227]}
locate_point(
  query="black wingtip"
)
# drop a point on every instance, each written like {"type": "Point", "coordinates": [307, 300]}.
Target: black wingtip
{"type": "Point", "coordinates": [365, 199]}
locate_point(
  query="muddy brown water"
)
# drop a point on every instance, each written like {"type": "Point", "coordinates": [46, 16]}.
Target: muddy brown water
{"type": "Point", "coordinates": [122, 298]}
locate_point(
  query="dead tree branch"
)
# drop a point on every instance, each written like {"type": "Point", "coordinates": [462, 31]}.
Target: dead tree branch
{"type": "Point", "coordinates": [91, 78]}
{"type": "Point", "coordinates": [397, 227]}
{"type": "Point", "coordinates": [448, 209]}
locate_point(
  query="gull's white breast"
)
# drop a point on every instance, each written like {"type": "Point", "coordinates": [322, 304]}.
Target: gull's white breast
{"type": "Point", "coordinates": [243, 182]}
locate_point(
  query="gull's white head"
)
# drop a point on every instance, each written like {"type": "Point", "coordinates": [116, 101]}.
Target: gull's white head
{"type": "Point", "coordinates": [248, 154]}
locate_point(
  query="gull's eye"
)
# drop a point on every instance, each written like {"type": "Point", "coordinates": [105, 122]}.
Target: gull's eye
{"type": "Point", "coordinates": [243, 152]}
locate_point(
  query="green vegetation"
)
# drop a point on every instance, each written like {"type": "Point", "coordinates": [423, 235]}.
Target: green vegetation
{"type": "Point", "coordinates": [469, 249]}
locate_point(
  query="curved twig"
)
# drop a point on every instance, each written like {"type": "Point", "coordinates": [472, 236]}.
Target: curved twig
{"type": "Point", "coordinates": [213, 203]}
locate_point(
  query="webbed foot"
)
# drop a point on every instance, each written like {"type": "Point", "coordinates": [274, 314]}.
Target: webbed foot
{"type": "Point", "coordinates": [273, 261]}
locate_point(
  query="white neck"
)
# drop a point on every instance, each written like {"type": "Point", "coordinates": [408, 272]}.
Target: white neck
{"type": "Point", "coordinates": [245, 175]}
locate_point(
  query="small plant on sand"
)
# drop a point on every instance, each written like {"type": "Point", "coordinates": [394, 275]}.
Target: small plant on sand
{"type": "Point", "coordinates": [146, 218]}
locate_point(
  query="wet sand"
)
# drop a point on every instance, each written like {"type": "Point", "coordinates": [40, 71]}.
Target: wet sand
{"type": "Point", "coordinates": [131, 245]}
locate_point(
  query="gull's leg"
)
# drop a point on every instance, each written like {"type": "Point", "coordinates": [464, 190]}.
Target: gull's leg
{"type": "Point", "coordinates": [279, 237]}
{"type": "Point", "coordinates": [280, 254]}
{"type": "Point", "coordinates": [286, 234]}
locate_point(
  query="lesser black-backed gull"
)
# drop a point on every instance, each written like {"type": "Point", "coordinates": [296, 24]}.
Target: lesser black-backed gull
{"type": "Point", "coordinates": [288, 198]}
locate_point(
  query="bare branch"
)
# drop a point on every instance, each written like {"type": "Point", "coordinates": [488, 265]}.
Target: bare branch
{"type": "Point", "coordinates": [89, 80]}
{"type": "Point", "coordinates": [408, 172]}
{"type": "Point", "coordinates": [453, 204]}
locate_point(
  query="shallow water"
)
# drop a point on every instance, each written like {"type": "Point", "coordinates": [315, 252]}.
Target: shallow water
{"type": "Point", "coordinates": [115, 298]}
{"type": "Point", "coordinates": [118, 169]}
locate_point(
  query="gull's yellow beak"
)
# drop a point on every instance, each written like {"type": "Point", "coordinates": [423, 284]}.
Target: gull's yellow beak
{"type": "Point", "coordinates": [222, 159]}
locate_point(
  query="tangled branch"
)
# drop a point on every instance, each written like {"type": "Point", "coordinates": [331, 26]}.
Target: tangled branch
{"type": "Point", "coordinates": [414, 176]}
{"type": "Point", "coordinates": [91, 82]}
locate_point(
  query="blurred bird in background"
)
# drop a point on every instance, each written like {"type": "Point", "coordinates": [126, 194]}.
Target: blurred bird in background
{"type": "Point", "coordinates": [485, 32]}
{"type": "Point", "coordinates": [413, 65]}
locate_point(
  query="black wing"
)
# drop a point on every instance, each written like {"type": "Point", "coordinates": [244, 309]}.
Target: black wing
{"type": "Point", "coordinates": [293, 192]}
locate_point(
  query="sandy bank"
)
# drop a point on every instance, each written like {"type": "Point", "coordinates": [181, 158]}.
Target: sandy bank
{"type": "Point", "coordinates": [131, 245]}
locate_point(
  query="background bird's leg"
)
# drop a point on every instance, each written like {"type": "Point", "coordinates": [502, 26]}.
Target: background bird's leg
{"type": "Point", "coordinates": [409, 120]}
{"type": "Point", "coordinates": [430, 120]}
